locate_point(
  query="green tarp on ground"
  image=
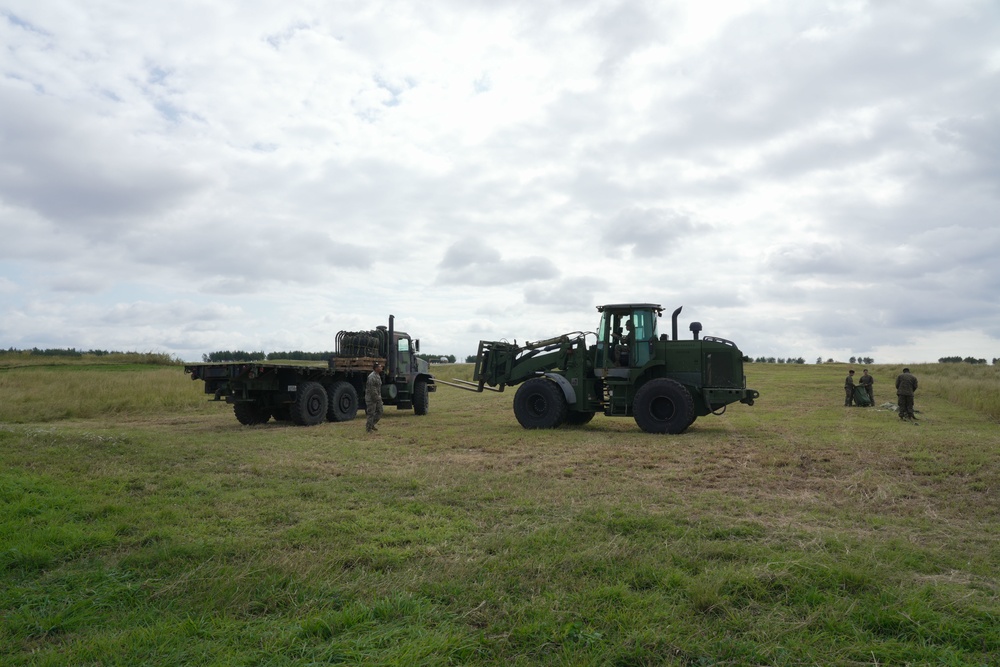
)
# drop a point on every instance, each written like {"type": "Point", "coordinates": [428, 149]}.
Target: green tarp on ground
{"type": "Point", "coordinates": [861, 396]}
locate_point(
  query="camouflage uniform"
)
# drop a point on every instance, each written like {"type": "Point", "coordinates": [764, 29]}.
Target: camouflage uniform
{"type": "Point", "coordinates": [373, 400]}
{"type": "Point", "coordinates": [849, 390]}
{"type": "Point", "coordinates": [906, 384]}
{"type": "Point", "coordinates": [867, 381]}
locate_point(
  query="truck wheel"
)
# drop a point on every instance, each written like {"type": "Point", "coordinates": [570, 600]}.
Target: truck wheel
{"type": "Point", "coordinates": [310, 404]}
{"type": "Point", "coordinates": [249, 413]}
{"type": "Point", "coordinates": [663, 406]}
{"type": "Point", "coordinates": [539, 403]}
{"type": "Point", "coordinates": [343, 402]}
{"type": "Point", "coordinates": [574, 418]}
{"type": "Point", "coordinates": [421, 397]}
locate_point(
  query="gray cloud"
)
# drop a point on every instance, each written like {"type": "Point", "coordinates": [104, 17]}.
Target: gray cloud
{"type": "Point", "coordinates": [470, 261]}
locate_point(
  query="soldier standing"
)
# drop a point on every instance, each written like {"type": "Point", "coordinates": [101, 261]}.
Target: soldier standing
{"type": "Point", "coordinates": [906, 384]}
{"type": "Point", "coordinates": [373, 397]}
{"type": "Point", "coordinates": [849, 389]}
{"type": "Point", "coordinates": [867, 381]}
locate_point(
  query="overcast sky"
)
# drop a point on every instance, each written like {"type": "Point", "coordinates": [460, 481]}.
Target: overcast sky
{"type": "Point", "coordinates": [814, 179]}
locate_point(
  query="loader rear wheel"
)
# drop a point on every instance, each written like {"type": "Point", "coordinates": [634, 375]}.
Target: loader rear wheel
{"type": "Point", "coordinates": [421, 397]}
{"type": "Point", "coordinates": [250, 413]}
{"type": "Point", "coordinates": [663, 406]}
{"type": "Point", "coordinates": [310, 404]}
{"type": "Point", "coordinates": [343, 402]}
{"type": "Point", "coordinates": [539, 403]}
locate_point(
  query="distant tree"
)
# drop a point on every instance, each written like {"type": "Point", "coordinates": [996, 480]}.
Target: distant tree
{"type": "Point", "coordinates": [853, 360]}
{"type": "Point", "coordinates": [973, 360]}
{"type": "Point", "coordinates": [950, 360]}
{"type": "Point", "coordinates": [471, 359]}
{"type": "Point", "coordinates": [819, 360]}
{"type": "Point", "coordinates": [800, 360]}
{"type": "Point", "coordinates": [868, 360]}
{"type": "Point", "coordinates": [233, 355]}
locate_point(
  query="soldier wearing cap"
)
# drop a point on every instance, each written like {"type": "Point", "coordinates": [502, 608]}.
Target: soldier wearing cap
{"type": "Point", "coordinates": [906, 384]}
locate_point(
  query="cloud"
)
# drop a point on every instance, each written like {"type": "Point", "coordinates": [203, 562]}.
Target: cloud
{"type": "Point", "coordinates": [806, 180]}
{"type": "Point", "coordinates": [647, 233]}
{"type": "Point", "coordinates": [469, 261]}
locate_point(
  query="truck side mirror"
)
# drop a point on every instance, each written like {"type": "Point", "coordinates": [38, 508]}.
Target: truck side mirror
{"type": "Point", "coordinates": [416, 344]}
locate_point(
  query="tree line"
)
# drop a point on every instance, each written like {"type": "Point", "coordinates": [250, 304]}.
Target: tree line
{"type": "Point", "coordinates": [241, 355]}
{"type": "Point", "coordinates": [59, 352]}
{"type": "Point", "coordinates": [967, 360]}
{"type": "Point", "coordinates": [773, 360]}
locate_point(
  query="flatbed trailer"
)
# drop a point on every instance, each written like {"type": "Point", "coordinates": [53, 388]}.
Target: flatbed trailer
{"type": "Point", "coordinates": [310, 392]}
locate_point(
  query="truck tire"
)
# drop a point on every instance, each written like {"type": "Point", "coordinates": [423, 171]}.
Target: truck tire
{"type": "Point", "coordinates": [343, 402]}
{"type": "Point", "coordinates": [310, 404]}
{"type": "Point", "coordinates": [663, 406]}
{"type": "Point", "coordinates": [575, 418]}
{"type": "Point", "coordinates": [421, 397]}
{"type": "Point", "coordinates": [250, 413]}
{"type": "Point", "coordinates": [539, 403]}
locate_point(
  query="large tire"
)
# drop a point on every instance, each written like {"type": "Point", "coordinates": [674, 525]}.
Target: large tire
{"type": "Point", "coordinates": [343, 405]}
{"type": "Point", "coordinates": [574, 418]}
{"type": "Point", "coordinates": [250, 413]}
{"type": "Point", "coordinates": [539, 403]}
{"type": "Point", "coordinates": [663, 406]}
{"type": "Point", "coordinates": [421, 397]}
{"type": "Point", "coordinates": [310, 404]}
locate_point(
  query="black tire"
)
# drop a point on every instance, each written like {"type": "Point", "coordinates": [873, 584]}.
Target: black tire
{"type": "Point", "coordinates": [250, 413]}
{"type": "Point", "coordinates": [574, 418]}
{"type": "Point", "coordinates": [310, 404]}
{"type": "Point", "coordinates": [663, 406]}
{"type": "Point", "coordinates": [343, 405]}
{"type": "Point", "coordinates": [421, 397]}
{"type": "Point", "coordinates": [539, 403]}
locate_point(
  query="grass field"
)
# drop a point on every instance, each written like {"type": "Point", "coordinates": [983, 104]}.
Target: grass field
{"type": "Point", "coordinates": [141, 524]}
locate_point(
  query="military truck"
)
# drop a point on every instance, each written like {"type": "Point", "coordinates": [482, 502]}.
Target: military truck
{"type": "Point", "coordinates": [307, 393]}
{"type": "Point", "coordinates": [631, 369]}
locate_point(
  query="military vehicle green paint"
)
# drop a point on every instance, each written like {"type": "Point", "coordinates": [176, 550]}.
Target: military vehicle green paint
{"type": "Point", "coordinates": [308, 393]}
{"type": "Point", "coordinates": [630, 370]}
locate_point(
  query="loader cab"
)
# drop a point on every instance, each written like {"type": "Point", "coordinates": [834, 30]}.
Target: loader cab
{"type": "Point", "coordinates": [625, 336]}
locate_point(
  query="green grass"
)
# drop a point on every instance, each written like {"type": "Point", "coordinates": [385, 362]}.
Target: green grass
{"type": "Point", "coordinates": [141, 524]}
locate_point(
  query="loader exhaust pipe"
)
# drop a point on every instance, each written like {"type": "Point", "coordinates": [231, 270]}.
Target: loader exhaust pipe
{"type": "Point", "coordinates": [673, 322]}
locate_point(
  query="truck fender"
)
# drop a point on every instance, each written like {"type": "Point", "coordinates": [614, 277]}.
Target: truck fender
{"type": "Point", "coordinates": [566, 387]}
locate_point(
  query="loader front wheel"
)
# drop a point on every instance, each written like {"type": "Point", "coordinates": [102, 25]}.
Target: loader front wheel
{"type": "Point", "coordinates": [310, 404]}
{"type": "Point", "coordinates": [663, 406]}
{"type": "Point", "coordinates": [539, 403]}
{"type": "Point", "coordinates": [574, 418]}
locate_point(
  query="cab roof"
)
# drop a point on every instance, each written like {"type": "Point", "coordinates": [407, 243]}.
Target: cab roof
{"type": "Point", "coordinates": [630, 306]}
